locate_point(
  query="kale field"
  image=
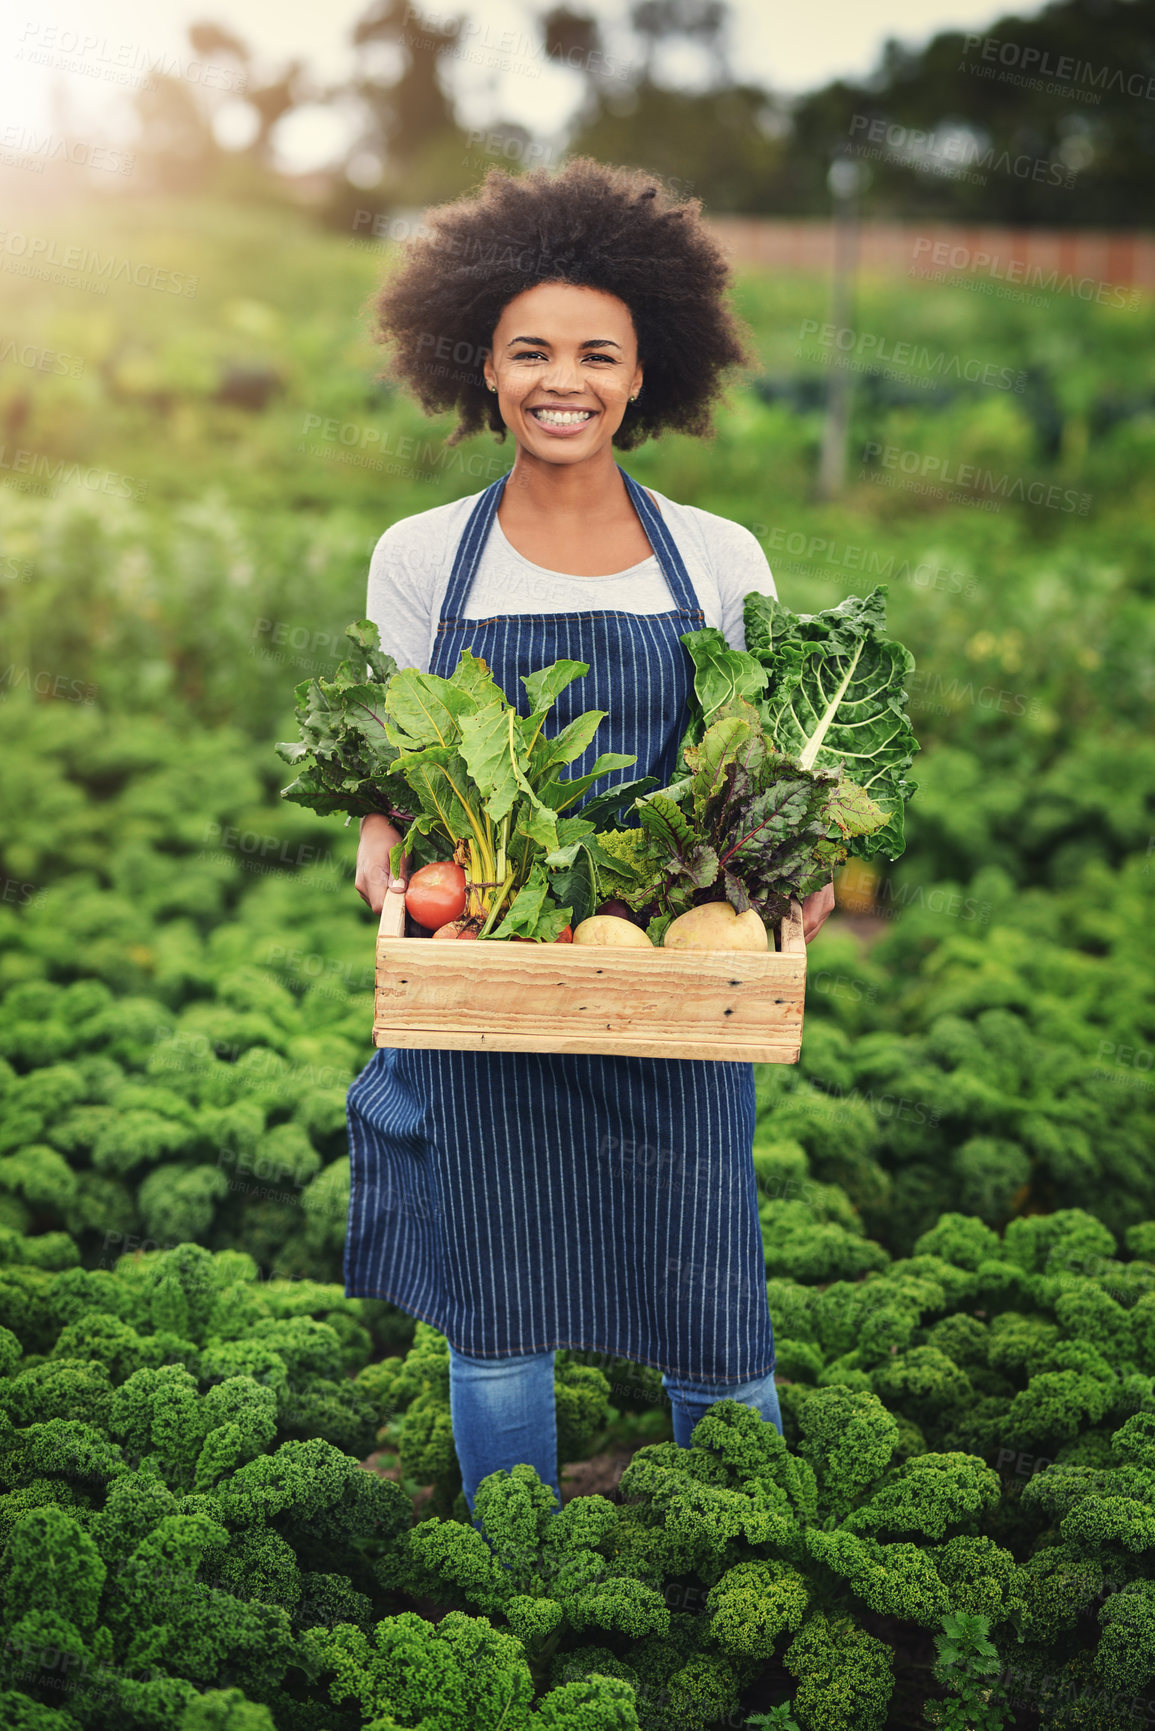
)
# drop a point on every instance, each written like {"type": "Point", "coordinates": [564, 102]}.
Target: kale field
{"type": "Point", "coordinates": [957, 1181]}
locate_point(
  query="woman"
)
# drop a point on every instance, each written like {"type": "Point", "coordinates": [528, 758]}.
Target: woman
{"type": "Point", "coordinates": [526, 1202]}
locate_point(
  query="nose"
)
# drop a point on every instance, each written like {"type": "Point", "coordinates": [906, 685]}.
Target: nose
{"type": "Point", "coordinates": [562, 375]}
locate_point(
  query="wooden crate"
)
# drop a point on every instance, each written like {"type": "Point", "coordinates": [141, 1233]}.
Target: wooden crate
{"type": "Point", "coordinates": [504, 997]}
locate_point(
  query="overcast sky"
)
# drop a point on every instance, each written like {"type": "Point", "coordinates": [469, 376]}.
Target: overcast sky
{"type": "Point", "coordinates": [78, 49]}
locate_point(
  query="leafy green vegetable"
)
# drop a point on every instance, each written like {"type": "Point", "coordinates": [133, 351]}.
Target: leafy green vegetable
{"type": "Point", "coordinates": [837, 698]}
{"type": "Point", "coordinates": [344, 759]}
{"type": "Point", "coordinates": [454, 761]}
{"type": "Point", "coordinates": [747, 820]}
{"type": "Point", "coordinates": [486, 784]}
{"type": "Point", "coordinates": [829, 689]}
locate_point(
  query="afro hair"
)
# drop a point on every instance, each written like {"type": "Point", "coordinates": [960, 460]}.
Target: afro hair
{"type": "Point", "coordinates": [614, 229]}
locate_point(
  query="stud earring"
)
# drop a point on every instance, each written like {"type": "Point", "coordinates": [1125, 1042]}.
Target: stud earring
{"type": "Point", "coordinates": [634, 398]}
{"type": "Point", "coordinates": [493, 387]}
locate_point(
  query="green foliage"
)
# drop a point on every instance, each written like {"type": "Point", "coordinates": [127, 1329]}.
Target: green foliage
{"type": "Point", "coordinates": [967, 1664]}
{"type": "Point", "coordinates": [158, 1510]}
{"type": "Point", "coordinates": [465, 1671]}
{"type": "Point", "coordinates": [844, 1676]}
{"type": "Point", "coordinates": [837, 698]}
{"type": "Point", "coordinates": [747, 821]}
{"type": "Point", "coordinates": [954, 1182]}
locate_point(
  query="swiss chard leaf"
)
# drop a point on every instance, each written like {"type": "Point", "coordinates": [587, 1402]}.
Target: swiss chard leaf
{"type": "Point", "coordinates": [722, 674]}
{"type": "Point", "coordinates": [734, 736]}
{"type": "Point", "coordinates": [533, 913]}
{"type": "Point", "coordinates": [837, 699]}
{"type": "Point", "coordinates": [496, 757]}
{"type": "Point", "coordinates": [422, 709]}
{"type": "Point", "coordinates": [562, 793]}
{"type": "Point", "coordinates": [546, 685]}
{"type": "Point", "coordinates": [552, 753]}
{"type": "Point", "coordinates": [610, 804]}
{"type": "Point", "coordinates": [439, 778]}
{"type": "Point", "coordinates": [688, 855]}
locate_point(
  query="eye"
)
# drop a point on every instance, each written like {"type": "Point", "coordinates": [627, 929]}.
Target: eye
{"type": "Point", "coordinates": [538, 355]}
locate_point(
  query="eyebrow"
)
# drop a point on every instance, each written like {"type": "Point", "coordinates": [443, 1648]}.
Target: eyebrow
{"type": "Point", "coordinates": [590, 343]}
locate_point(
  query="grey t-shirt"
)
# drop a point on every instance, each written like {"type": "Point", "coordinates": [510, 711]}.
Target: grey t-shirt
{"type": "Point", "coordinates": [409, 574]}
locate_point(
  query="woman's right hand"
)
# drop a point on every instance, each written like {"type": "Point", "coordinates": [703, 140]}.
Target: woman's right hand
{"type": "Point", "coordinates": [373, 879]}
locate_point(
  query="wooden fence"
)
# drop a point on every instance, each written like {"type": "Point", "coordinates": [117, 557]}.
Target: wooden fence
{"type": "Point", "coordinates": [1089, 263]}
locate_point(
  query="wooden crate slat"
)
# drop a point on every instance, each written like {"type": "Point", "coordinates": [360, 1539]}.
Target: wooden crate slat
{"type": "Point", "coordinates": [635, 1046]}
{"type": "Point", "coordinates": [739, 1005]}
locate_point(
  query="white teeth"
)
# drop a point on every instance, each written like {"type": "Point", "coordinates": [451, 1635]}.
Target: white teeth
{"type": "Point", "coordinates": [562, 417]}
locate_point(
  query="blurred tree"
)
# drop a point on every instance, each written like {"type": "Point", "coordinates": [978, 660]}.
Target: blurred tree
{"type": "Point", "coordinates": [722, 147]}
{"type": "Point", "coordinates": [1072, 87]}
{"type": "Point", "coordinates": [699, 21]}
{"type": "Point", "coordinates": [270, 100]}
{"type": "Point", "coordinates": [178, 149]}
{"type": "Point", "coordinates": [722, 142]}
{"type": "Point", "coordinates": [574, 40]}
{"type": "Point", "coordinates": [213, 41]}
{"type": "Point", "coordinates": [409, 111]}
{"type": "Point", "coordinates": [410, 151]}
{"type": "Point", "coordinates": [174, 146]}
{"type": "Point", "coordinates": [1047, 121]}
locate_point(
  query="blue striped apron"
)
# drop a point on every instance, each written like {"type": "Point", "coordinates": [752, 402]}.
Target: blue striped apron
{"type": "Point", "coordinates": [522, 1201]}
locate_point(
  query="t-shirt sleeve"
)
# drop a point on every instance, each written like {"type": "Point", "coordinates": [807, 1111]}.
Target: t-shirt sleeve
{"type": "Point", "coordinates": [403, 592]}
{"type": "Point", "coordinates": [740, 566]}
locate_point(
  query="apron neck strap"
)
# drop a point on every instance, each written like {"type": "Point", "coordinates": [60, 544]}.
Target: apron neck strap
{"type": "Point", "coordinates": [468, 555]}
{"type": "Point", "coordinates": [664, 546]}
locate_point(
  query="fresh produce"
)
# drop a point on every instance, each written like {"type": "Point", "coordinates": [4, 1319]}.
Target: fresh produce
{"type": "Point", "coordinates": [830, 690]}
{"type": "Point", "coordinates": [786, 745]}
{"type": "Point", "coordinates": [436, 894]}
{"type": "Point", "coordinates": [344, 758]}
{"type": "Point", "coordinates": [716, 926]}
{"type": "Point", "coordinates": [176, 1552]}
{"type": "Point", "coordinates": [620, 910]}
{"type": "Point", "coordinates": [458, 765]}
{"type": "Point", "coordinates": [796, 751]}
{"type": "Point", "coordinates": [608, 929]}
{"type": "Point", "coordinates": [747, 827]}
{"type": "Point", "coordinates": [968, 1432]}
{"type": "Point", "coordinates": [465, 928]}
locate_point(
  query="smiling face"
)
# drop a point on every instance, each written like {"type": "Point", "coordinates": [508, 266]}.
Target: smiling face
{"type": "Point", "coordinates": [565, 363]}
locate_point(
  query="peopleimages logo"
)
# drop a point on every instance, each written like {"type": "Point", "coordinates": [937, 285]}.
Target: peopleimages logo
{"type": "Point", "coordinates": [1036, 64]}
{"type": "Point", "coordinates": [944, 472]}
{"type": "Point", "coordinates": [36, 253]}
{"type": "Point", "coordinates": [911, 357]}
{"type": "Point", "coordinates": [953, 151]}
{"type": "Point", "coordinates": [947, 256]}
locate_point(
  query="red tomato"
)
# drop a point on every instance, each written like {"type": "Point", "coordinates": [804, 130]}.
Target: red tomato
{"type": "Point", "coordinates": [436, 894]}
{"type": "Point", "coordinates": [565, 936]}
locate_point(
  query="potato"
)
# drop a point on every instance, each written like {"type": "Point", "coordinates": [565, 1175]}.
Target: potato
{"type": "Point", "coordinates": [716, 926]}
{"type": "Point", "coordinates": [608, 929]}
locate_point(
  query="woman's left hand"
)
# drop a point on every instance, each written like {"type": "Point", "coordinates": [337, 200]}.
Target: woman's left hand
{"type": "Point", "coordinates": [816, 910]}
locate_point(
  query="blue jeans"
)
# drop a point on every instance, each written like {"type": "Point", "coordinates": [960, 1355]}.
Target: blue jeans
{"type": "Point", "coordinates": [503, 1412]}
